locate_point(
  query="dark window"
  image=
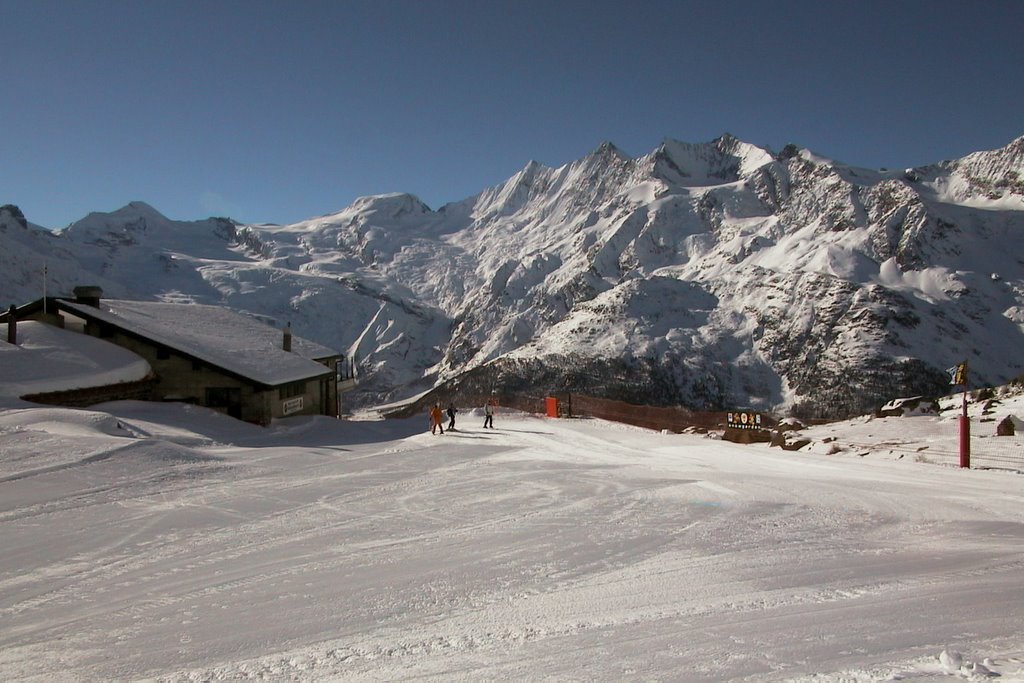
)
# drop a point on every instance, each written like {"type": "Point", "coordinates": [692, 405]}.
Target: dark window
{"type": "Point", "coordinates": [291, 390]}
{"type": "Point", "coordinates": [217, 397]}
{"type": "Point", "coordinates": [229, 398]}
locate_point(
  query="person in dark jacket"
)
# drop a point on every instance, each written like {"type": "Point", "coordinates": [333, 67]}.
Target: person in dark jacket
{"type": "Point", "coordinates": [451, 415]}
{"type": "Point", "coordinates": [489, 414]}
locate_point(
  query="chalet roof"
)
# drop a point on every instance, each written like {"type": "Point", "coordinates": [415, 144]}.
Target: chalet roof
{"type": "Point", "coordinates": [234, 342]}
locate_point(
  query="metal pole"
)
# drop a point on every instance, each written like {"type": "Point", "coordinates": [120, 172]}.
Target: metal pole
{"type": "Point", "coordinates": [337, 389]}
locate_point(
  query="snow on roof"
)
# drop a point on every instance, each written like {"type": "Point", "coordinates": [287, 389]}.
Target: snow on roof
{"type": "Point", "coordinates": [216, 335]}
{"type": "Point", "coordinates": [47, 358]}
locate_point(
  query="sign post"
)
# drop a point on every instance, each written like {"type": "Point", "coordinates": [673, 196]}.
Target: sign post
{"type": "Point", "coordinates": [958, 377]}
{"type": "Point", "coordinates": [965, 437]}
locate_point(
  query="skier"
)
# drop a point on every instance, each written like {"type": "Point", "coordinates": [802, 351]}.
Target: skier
{"type": "Point", "coordinates": [451, 415]}
{"type": "Point", "coordinates": [435, 419]}
{"type": "Point", "coordinates": [489, 414]}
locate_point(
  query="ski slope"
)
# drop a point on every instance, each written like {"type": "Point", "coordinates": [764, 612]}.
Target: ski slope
{"type": "Point", "coordinates": [169, 543]}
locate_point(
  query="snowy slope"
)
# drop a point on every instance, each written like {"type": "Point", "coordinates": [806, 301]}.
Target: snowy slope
{"type": "Point", "coordinates": [154, 541]}
{"type": "Point", "coordinates": [714, 274]}
{"type": "Point", "coordinates": [147, 541]}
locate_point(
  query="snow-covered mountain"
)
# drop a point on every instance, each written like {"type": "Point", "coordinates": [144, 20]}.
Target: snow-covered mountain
{"type": "Point", "coordinates": [712, 275]}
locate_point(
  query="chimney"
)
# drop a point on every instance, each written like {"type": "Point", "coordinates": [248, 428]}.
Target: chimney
{"type": "Point", "coordinates": [12, 326]}
{"type": "Point", "coordinates": [88, 295]}
{"type": "Point", "coordinates": [288, 337]}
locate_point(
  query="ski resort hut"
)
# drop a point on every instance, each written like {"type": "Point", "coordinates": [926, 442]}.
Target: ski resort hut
{"type": "Point", "coordinates": [208, 355]}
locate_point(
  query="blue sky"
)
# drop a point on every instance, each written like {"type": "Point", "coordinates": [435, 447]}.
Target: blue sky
{"type": "Point", "coordinates": [280, 111]}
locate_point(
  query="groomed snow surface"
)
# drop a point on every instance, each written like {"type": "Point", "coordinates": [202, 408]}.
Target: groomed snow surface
{"type": "Point", "coordinates": [169, 543]}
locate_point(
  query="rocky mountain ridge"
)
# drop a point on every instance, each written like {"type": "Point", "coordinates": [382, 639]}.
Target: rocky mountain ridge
{"type": "Point", "coordinates": [711, 275]}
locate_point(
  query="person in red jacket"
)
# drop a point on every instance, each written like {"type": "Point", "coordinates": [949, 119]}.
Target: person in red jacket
{"type": "Point", "coordinates": [435, 419]}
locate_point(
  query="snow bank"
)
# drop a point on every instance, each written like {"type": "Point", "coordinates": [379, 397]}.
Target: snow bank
{"type": "Point", "coordinates": [47, 358]}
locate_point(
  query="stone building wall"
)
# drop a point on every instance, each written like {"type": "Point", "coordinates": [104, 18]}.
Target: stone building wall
{"type": "Point", "coordinates": [141, 390]}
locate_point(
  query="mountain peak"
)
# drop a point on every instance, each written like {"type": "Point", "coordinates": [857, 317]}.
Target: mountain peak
{"type": "Point", "coordinates": [991, 176]}
{"type": "Point", "coordinates": [10, 212]}
{"type": "Point", "coordinates": [140, 209]}
{"type": "Point", "coordinates": [725, 159]}
{"type": "Point", "coordinates": [133, 216]}
{"type": "Point", "coordinates": [726, 141]}
{"type": "Point", "coordinates": [608, 149]}
{"type": "Point", "coordinates": [394, 204]}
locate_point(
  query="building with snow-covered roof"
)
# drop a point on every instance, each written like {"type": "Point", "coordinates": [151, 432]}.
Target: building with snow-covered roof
{"type": "Point", "coordinates": [207, 355]}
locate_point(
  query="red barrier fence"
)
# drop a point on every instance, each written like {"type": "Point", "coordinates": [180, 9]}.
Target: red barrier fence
{"type": "Point", "coordinates": [674, 419]}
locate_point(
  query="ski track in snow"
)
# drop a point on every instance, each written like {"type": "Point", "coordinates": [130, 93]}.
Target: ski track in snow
{"type": "Point", "coordinates": [542, 549]}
